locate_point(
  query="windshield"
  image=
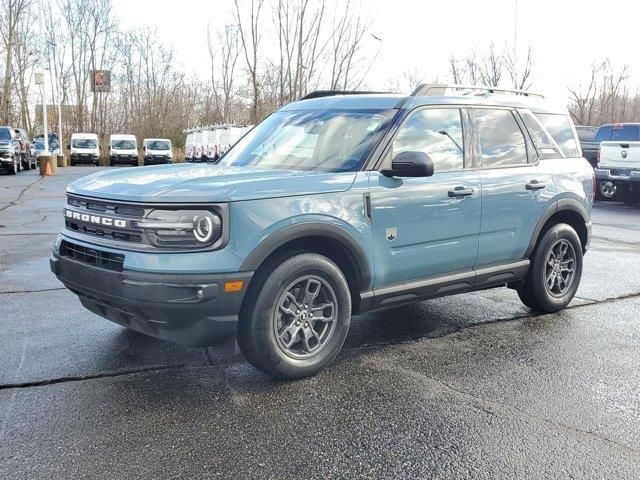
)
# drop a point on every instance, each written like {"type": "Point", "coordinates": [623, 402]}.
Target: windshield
{"type": "Point", "coordinates": [5, 134]}
{"type": "Point", "coordinates": [158, 145]}
{"type": "Point", "coordinates": [325, 140]}
{"type": "Point", "coordinates": [84, 143]}
{"type": "Point", "coordinates": [123, 144]}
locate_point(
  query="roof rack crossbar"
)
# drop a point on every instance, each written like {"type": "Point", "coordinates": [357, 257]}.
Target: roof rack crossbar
{"type": "Point", "coordinates": [439, 89]}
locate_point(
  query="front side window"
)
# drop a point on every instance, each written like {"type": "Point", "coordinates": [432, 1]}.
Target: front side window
{"type": "Point", "coordinates": [559, 126]}
{"type": "Point", "coordinates": [323, 140]}
{"type": "Point", "coordinates": [502, 142]}
{"type": "Point", "coordinates": [436, 132]}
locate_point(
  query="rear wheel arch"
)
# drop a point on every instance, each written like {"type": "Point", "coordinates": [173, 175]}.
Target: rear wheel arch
{"type": "Point", "coordinates": [568, 211]}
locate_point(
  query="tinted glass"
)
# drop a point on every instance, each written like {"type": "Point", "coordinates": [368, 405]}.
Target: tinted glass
{"type": "Point", "coordinates": [559, 126]}
{"type": "Point", "coordinates": [5, 134]}
{"type": "Point", "coordinates": [604, 134]}
{"type": "Point", "coordinates": [627, 133]}
{"type": "Point", "coordinates": [586, 134]}
{"type": "Point", "coordinates": [436, 132]}
{"type": "Point", "coordinates": [501, 140]}
{"type": "Point", "coordinates": [157, 145]}
{"type": "Point", "coordinates": [545, 145]}
{"type": "Point", "coordinates": [324, 140]}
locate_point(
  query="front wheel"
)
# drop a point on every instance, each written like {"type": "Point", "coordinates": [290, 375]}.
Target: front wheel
{"type": "Point", "coordinates": [555, 271]}
{"type": "Point", "coordinates": [296, 316]}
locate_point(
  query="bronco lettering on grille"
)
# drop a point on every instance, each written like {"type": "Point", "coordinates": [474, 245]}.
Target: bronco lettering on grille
{"type": "Point", "coordinates": [96, 219]}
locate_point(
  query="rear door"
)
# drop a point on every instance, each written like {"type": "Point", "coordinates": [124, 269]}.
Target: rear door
{"type": "Point", "coordinates": [517, 187]}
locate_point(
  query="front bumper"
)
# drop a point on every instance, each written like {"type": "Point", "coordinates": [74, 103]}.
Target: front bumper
{"type": "Point", "coordinates": [156, 160]}
{"type": "Point", "coordinates": [190, 309]}
{"type": "Point", "coordinates": [83, 158]}
{"type": "Point", "coordinates": [618, 174]}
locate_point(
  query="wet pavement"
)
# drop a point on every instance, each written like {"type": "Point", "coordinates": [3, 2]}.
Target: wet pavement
{"type": "Point", "coordinates": [470, 386]}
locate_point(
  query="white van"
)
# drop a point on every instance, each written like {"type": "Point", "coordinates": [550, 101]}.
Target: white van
{"type": "Point", "coordinates": [123, 149]}
{"type": "Point", "coordinates": [157, 150]}
{"type": "Point", "coordinates": [84, 148]}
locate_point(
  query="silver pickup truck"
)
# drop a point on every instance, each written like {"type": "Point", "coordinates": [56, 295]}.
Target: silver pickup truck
{"type": "Point", "coordinates": [618, 170]}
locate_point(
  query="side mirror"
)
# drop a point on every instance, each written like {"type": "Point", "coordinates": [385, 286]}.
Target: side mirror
{"type": "Point", "coordinates": [68, 147]}
{"type": "Point", "coordinates": [144, 147]}
{"type": "Point", "coordinates": [410, 164]}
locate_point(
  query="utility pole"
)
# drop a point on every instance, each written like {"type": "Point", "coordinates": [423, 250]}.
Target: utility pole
{"type": "Point", "coordinates": [44, 83]}
{"type": "Point", "coordinates": [515, 45]}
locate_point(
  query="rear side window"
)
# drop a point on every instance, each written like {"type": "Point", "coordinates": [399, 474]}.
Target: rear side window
{"type": "Point", "coordinates": [586, 134]}
{"type": "Point", "coordinates": [559, 126]}
{"type": "Point", "coordinates": [501, 140]}
{"type": "Point", "coordinates": [545, 145]}
{"type": "Point", "coordinates": [436, 132]}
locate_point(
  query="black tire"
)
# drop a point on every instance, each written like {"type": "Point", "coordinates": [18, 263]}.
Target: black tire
{"type": "Point", "coordinates": [14, 167]}
{"type": "Point", "coordinates": [534, 293]}
{"type": "Point", "coordinates": [607, 190]}
{"type": "Point", "coordinates": [19, 165]}
{"type": "Point", "coordinates": [260, 313]}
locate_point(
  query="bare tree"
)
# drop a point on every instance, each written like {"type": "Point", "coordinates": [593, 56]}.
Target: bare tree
{"type": "Point", "coordinates": [249, 29]}
{"type": "Point", "coordinates": [226, 68]}
{"type": "Point", "coordinates": [13, 13]}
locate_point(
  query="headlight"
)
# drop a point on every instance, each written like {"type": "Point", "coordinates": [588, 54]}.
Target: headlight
{"type": "Point", "coordinates": [182, 228]}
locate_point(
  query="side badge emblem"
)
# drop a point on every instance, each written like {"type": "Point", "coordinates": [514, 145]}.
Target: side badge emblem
{"type": "Point", "coordinates": [392, 233]}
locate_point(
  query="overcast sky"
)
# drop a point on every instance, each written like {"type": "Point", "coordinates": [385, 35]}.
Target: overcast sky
{"type": "Point", "coordinates": [567, 36]}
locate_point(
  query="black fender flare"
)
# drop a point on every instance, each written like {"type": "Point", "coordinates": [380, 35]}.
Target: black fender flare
{"type": "Point", "coordinates": [311, 229]}
{"type": "Point", "coordinates": [565, 204]}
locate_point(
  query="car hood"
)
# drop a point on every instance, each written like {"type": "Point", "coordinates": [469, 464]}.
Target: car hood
{"type": "Point", "coordinates": [189, 183]}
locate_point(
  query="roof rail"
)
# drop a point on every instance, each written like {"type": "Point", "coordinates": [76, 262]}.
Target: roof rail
{"type": "Point", "coordinates": [331, 93]}
{"type": "Point", "coordinates": [439, 89]}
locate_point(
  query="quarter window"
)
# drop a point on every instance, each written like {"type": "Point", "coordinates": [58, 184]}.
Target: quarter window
{"type": "Point", "coordinates": [546, 146]}
{"type": "Point", "coordinates": [436, 132]}
{"type": "Point", "coordinates": [559, 126]}
{"type": "Point", "coordinates": [501, 140]}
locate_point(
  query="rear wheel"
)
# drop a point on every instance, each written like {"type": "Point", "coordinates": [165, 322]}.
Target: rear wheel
{"type": "Point", "coordinates": [555, 271]}
{"type": "Point", "coordinates": [607, 190]}
{"type": "Point", "coordinates": [296, 316]}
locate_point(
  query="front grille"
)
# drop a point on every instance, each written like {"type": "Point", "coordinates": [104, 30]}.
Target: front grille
{"type": "Point", "coordinates": [132, 234]}
{"type": "Point", "coordinates": [92, 256]}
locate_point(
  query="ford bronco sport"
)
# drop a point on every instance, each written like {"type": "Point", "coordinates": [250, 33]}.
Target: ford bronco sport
{"type": "Point", "coordinates": [335, 205]}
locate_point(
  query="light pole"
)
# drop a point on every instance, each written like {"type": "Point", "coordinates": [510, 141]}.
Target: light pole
{"type": "Point", "coordinates": [515, 45]}
{"type": "Point", "coordinates": [44, 87]}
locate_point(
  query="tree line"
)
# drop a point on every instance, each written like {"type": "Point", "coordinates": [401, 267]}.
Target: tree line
{"type": "Point", "coordinates": [269, 53]}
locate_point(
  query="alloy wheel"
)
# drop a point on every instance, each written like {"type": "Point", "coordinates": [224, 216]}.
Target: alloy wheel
{"type": "Point", "coordinates": [608, 189]}
{"type": "Point", "coordinates": [305, 317]}
{"type": "Point", "coordinates": [560, 268]}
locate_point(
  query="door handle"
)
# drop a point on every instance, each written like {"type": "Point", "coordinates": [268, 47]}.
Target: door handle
{"type": "Point", "coordinates": [535, 185]}
{"type": "Point", "coordinates": [460, 192]}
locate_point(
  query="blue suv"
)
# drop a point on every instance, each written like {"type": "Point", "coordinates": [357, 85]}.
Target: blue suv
{"type": "Point", "coordinates": [332, 206]}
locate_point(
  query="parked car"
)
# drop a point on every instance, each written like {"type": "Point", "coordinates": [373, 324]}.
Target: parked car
{"type": "Point", "coordinates": [334, 205]}
{"type": "Point", "coordinates": [123, 149]}
{"type": "Point", "coordinates": [618, 170]}
{"type": "Point", "coordinates": [157, 150]}
{"type": "Point", "coordinates": [588, 144]}
{"type": "Point", "coordinates": [25, 148]}
{"type": "Point", "coordinates": [38, 144]}
{"type": "Point", "coordinates": [84, 148]}
{"type": "Point", "coordinates": [10, 151]}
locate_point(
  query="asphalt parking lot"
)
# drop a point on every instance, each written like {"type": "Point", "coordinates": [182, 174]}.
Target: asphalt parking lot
{"type": "Point", "coordinates": [471, 386]}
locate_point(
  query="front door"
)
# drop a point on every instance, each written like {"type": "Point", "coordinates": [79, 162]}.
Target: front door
{"type": "Point", "coordinates": [426, 227]}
